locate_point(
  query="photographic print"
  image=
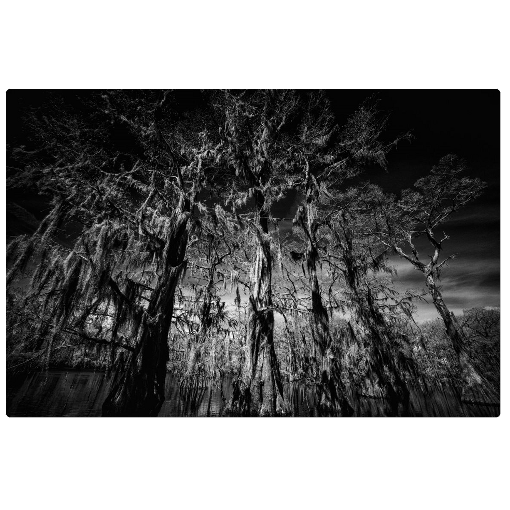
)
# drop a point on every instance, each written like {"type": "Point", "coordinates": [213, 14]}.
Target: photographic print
{"type": "Point", "coordinates": [262, 253]}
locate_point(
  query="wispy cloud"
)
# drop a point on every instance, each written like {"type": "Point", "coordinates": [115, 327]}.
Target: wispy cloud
{"type": "Point", "coordinates": [479, 213]}
{"type": "Point", "coordinates": [466, 283]}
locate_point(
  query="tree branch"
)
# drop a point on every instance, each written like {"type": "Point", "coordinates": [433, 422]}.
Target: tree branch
{"type": "Point", "coordinates": [101, 341]}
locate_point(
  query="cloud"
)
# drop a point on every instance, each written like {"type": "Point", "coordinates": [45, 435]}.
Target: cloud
{"type": "Point", "coordinates": [465, 283]}
{"type": "Point", "coordinates": [479, 213]}
{"type": "Point", "coordinates": [472, 273]}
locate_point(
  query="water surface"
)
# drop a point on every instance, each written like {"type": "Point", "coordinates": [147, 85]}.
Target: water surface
{"type": "Point", "coordinates": [82, 393]}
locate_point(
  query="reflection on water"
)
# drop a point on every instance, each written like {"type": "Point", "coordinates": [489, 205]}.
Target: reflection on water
{"type": "Point", "coordinates": [58, 393]}
{"type": "Point", "coordinates": [195, 401]}
{"type": "Point", "coordinates": [82, 393]}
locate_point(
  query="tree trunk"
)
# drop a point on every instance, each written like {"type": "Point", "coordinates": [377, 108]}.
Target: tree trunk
{"type": "Point", "coordinates": [198, 339]}
{"type": "Point", "coordinates": [260, 332]}
{"type": "Point", "coordinates": [384, 356]}
{"type": "Point", "coordinates": [475, 388]}
{"type": "Point", "coordinates": [332, 394]}
{"type": "Point", "coordinates": [331, 391]}
{"type": "Point", "coordinates": [139, 390]}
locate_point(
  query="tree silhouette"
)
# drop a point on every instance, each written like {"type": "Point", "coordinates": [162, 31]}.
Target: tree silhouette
{"type": "Point", "coordinates": [128, 173]}
{"type": "Point", "coordinates": [420, 212]}
{"type": "Point", "coordinates": [329, 156]}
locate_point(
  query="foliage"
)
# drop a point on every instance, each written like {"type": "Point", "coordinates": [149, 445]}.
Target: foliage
{"type": "Point", "coordinates": [435, 355]}
{"type": "Point", "coordinates": [174, 259]}
{"type": "Point", "coordinates": [482, 327]}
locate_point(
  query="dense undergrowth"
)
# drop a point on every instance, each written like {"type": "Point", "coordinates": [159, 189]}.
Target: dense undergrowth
{"type": "Point", "coordinates": [435, 364]}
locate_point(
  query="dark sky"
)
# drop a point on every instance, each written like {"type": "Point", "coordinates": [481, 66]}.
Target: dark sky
{"type": "Point", "coordinates": [461, 122]}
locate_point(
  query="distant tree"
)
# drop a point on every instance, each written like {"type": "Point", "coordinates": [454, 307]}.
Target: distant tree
{"type": "Point", "coordinates": [482, 328]}
{"type": "Point", "coordinates": [482, 323]}
{"type": "Point", "coordinates": [421, 212]}
{"type": "Point", "coordinates": [214, 271]}
{"type": "Point", "coordinates": [435, 355]}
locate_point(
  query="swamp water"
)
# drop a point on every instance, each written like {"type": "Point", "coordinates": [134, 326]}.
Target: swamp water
{"type": "Point", "coordinates": [82, 393]}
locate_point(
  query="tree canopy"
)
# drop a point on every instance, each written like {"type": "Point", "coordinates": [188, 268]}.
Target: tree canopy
{"type": "Point", "coordinates": [161, 249]}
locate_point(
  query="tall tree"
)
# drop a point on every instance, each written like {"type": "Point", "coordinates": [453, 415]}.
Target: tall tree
{"type": "Point", "coordinates": [377, 309]}
{"type": "Point", "coordinates": [126, 167]}
{"type": "Point", "coordinates": [274, 141]}
{"type": "Point", "coordinates": [329, 155]}
{"type": "Point", "coordinates": [256, 147]}
{"type": "Point", "coordinates": [419, 213]}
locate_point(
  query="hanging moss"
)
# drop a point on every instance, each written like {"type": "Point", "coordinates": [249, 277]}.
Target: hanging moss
{"type": "Point", "coordinates": [69, 286]}
{"type": "Point", "coordinates": [40, 268]}
{"type": "Point", "coordinates": [22, 261]}
{"type": "Point", "coordinates": [53, 335]}
{"type": "Point", "coordinates": [101, 252]}
{"type": "Point", "coordinates": [15, 247]}
{"type": "Point", "coordinates": [53, 222]}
